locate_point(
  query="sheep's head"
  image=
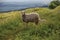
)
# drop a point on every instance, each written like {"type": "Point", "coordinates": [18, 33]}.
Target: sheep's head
{"type": "Point", "coordinates": [23, 13]}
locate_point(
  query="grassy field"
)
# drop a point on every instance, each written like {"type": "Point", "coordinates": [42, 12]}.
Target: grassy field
{"type": "Point", "coordinates": [13, 28]}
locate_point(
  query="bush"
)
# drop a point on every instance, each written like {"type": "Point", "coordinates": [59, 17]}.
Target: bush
{"type": "Point", "coordinates": [54, 4]}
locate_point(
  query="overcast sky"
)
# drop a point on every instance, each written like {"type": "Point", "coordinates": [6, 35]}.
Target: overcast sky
{"type": "Point", "coordinates": [25, 0]}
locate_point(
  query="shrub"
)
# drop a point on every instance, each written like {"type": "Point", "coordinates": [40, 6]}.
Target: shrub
{"type": "Point", "coordinates": [54, 4]}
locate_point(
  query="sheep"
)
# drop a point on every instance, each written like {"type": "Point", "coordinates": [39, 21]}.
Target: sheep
{"type": "Point", "coordinates": [32, 17]}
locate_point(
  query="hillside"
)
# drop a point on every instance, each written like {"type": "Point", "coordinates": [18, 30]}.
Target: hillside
{"type": "Point", "coordinates": [13, 28]}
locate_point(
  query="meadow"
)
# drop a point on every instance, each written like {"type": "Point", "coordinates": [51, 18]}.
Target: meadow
{"type": "Point", "coordinates": [13, 28]}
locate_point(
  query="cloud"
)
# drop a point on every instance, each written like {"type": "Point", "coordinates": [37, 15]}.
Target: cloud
{"type": "Point", "coordinates": [25, 0]}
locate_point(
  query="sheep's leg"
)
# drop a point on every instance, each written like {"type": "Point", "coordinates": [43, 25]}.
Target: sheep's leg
{"type": "Point", "coordinates": [36, 23]}
{"type": "Point", "coordinates": [26, 25]}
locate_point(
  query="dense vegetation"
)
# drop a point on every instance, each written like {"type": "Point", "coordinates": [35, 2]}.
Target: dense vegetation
{"type": "Point", "coordinates": [54, 4]}
{"type": "Point", "coordinates": [13, 28]}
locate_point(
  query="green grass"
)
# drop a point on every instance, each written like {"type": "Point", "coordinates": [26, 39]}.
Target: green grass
{"type": "Point", "coordinates": [13, 28]}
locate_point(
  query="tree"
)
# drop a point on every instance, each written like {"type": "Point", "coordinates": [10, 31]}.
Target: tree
{"type": "Point", "coordinates": [54, 4]}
